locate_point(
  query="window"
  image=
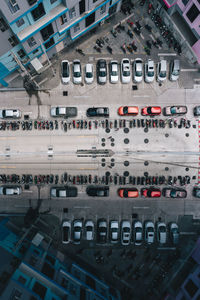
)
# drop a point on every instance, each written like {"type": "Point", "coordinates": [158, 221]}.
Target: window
{"type": "Point", "coordinates": [72, 13]}
{"type": "Point", "coordinates": [76, 27]}
{"type": "Point", "coordinates": [35, 51]}
{"type": "Point", "coordinates": [50, 259]}
{"type": "Point", "coordinates": [191, 288]}
{"type": "Point", "coordinates": [21, 279]}
{"type": "Point", "coordinates": [31, 2]}
{"type": "Point", "coordinates": [49, 43]}
{"type": "Point", "coordinates": [103, 9]}
{"type": "Point", "coordinates": [52, 1]}
{"type": "Point", "coordinates": [20, 22]}
{"type": "Point", "coordinates": [39, 289]}
{"type": "Point", "coordinates": [21, 53]}
{"type": "Point", "coordinates": [63, 19]}
{"type": "Point", "coordinates": [12, 5]}
{"type": "Point", "coordinates": [185, 2]}
{"type": "Point", "coordinates": [31, 42]}
{"type": "Point", "coordinates": [95, 1]}
{"type": "Point", "coordinates": [38, 12]}
{"type": "Point", "coordinates": [82, 6]}
{"type": "Point", "coordinates": [192, 13]}
{"type": "Point", "coordinates": [46, 32]}
{"type": "Point", "coordinates": [13, 41]}
{"type": "Point", "coordinates": [90, 19]}
{"type": "Point", "coordinates": [3, 25]}
{"type": "Point", "coordinates": [64, 283]}
{"type": "Point", "coordinates": [16, 294]}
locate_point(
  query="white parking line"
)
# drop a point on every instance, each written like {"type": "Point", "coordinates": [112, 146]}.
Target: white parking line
{"type": "Point", "coordinates": [167, 54]}
{"type": "Point", "coordinates": [189, 70]}
{"type": "Point", "coordinates": [139, 207]}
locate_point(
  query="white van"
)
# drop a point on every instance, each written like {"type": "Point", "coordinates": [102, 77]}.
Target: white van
{"type": "Point", "coordinates": [162, 71]}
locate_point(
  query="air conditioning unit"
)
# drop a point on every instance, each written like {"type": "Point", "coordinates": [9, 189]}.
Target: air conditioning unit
{"type": "Point", "coordinates": [102, 22]}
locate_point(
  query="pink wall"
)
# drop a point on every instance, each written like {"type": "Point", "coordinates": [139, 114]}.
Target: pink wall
{"type": "Point", "coordinates": [196, 49]}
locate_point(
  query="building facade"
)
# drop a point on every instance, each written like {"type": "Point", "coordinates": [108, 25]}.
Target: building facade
{"type": "Point", "coordinates": [28, 28]}
{"type": "Point", "coordinates": [34, 270]}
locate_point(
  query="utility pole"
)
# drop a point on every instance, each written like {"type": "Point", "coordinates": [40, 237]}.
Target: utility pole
{"type": "Point", "coordinates": [25, 73]}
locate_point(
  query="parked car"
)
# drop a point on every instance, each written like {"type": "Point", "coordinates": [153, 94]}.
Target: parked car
{"type": "Point", "coordinates": [114, 231]}
{"type": "Point", "coordinates": [98, 112]}
{"type": "Point", "coordinates": [128, 111]}
{"type": "Point", "coordinates": [151, 192]}
{"type": "Point", "coordinates": [77, 231]}
{"type": "Point", "coordinates": [174, 193]}
{"type": "Point", "coordinates": [149, 71]}
{"type": "Point", "coordinates": [125, 233]}
{"type": "Point", "coordinates": [174, 110]}
{"type": "Point", "coordinates": [149, 232]}
{"type": "Point", "coordinates": [98, 191]}
{"type": "Point", "coordinates": [161, 233]}
{"type": "Point", "coordinates": [137, 231]}
{"type": "Point", "coordinates": [101, 71]}
{"type": "Point", "coordinates": [128, 193]}
{"type": "Point", "coordinates": [137, 70]}
{"type": "Point", "coordinates": [64, 191]}
{"type": "Point", "coordinates": [89, 230]}
{"type": "Point", "coordinates": [89, 73]}
{"type": "Point", "coordinates": [67, 112]}
{"type": "Point", "coordinates": [125, 70]}
{"type": "Point", "coordinates": [66, 231]}
{"type": "Point", "coordinates": [162, 70]}
{"type": "Point", "coordinates": [196, 192]}
{"type": "Point", "coordinates": [77, 73]}
{"type": "Point", "coordinates": [174, 233]}
{"type": "Point", "coordinates": [65, 73]}
{"type": "Point", "coordinates": [114, 71]}
{"type": "Point", "coordinates": [174, 70]}
{"type": "Point", "coordinates": [151, 111]}
{"type": "Point", "coordinates": [10, 190]}
{"type": "Point", "coordinates": [102, 231]}
{"type": "Point", "coordinates": [197, 111]}
{"type": "Point", "coordinates": [10, 113]}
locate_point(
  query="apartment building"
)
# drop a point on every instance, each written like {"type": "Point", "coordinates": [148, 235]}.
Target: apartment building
{"type": "Point", "coordinates": [31, 268]}
{"type": "Point", "coordinates": [183, 19]}
{"type": "Point", "coordinates": [29, 28]}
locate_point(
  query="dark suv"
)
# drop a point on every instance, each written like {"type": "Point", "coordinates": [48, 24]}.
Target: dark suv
{"type": "Point", "coordinates": [101, 71]}
{"type": "Point", "coordinates": [97, 191]}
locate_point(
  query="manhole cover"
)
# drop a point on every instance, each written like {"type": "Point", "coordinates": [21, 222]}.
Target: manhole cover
{"type": "Point", "coordinates": [187, 134]}
{"type": "Point", "coordinates": [107, 130]}
{"type": "Point", "coordinates": [166, 135]}
{"type": "Point", "coordinates": [126, 141]}
{"type": "Point", "coordinates": [126, 130]}
{"type": "Point", "coordinates": [166, 169]}
{"type": "Point", "coordinates": [146, 163]}
{"type": "Point", "coordinates": [103, 144]}
{"type": "Point", "coordinates": [126, 173]}
{"type": "Point", "coordinates": [126, 163]}
{"type": "Point", "coordinates": [146, 141]}
{"type": "Point", "coordinates": [146, 130]}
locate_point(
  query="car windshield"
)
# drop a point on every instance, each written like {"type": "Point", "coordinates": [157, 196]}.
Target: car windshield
{"type": "Point", "coordinates": [114, 73]}
{"type": "Point", "coordinates": [173, 110]}
{"type": "Point", "coordinates": [102, 73]}
{"type": "Point", "coordinates": [149, 110]}
{"type": "Point", "coordinates": [175, 72]}
{"type": "Point", "coordinates": [125, 110]}
{"type": "Point", "coordinates": [126, 73]}
{"type": "Point", "coordinates": [138, 229]}
{"type": "Point", "coordinates": [150, 73]}
{"type": "Point", "coordinates": [89, 75]}
{"type": "Point", "coordinates": [89, 228]}
{"type": "Point", "coordinates": [173, 194]}
{"type": "Point", "coordinates": [100, 192]}
{"type": "Point", "coordinates": [138, 73]}
{"type": "Point", "coordinates": [126, 229]}
{"type": "Point", "coordinates": [65, 70]}
{"type": "Point", "coordinates": [162, 74]}
{"type": "Point", "coordinates": [77, 74]}
{"type": "Point", "coordinates": [4, 113]}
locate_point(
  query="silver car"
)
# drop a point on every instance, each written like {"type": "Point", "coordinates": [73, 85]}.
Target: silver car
{"type": "Point", "coordinates": [125, 233]}
{"type": "Point", "coordinates": [137, 229]}
{"type": "Point", "coordinates": [114, 231]}
{"type": "Point", "coordinates": [137, 70]}
{"type": "Point", "coordinates": [77, 74]}
{"type": "Point", "coordinates": [77, 231]}
{"type": "Point", "coordinates": [149, 232]}
{"type": "Point", "coordinates": [161, 233]}
{"type": "Point", "coordinates": [10, 190]}
{"type": "Point", "coordinates": [174, 233]}
{"type": "Point", "coordinates": [10, 114]}
{"type": "Point", "coordinates": [89, 230]}
{"type": "Point", "coordinates": [114, 71]}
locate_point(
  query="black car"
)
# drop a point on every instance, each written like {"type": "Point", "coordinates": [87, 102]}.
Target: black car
{"type": "Point", "coordinates": [101, 231]}
{"type": "Point", "coordinates": [197, 111]}
{"type": "Point", "coordinates": [97, 191]}
{"type": "Point", "coordinates": [101, 71]}
{"type": "Point", "coordinates": [98, 112]}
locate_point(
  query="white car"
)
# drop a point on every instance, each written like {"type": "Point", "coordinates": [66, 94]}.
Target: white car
{"type": "Point", "coordinates": [89, 230]}
{"type": "Point", "coordinates": [65, 76]}
{"type": "Point", "coordinates": [114, 71]}
{"type": "Point", "coordinates": [149, 232]}
{"type": "Point", "coordinates": [137, 229]}
{"type": "Point", "coordinates": [162, 71]}
{"type": "Point", "coordinates": [174, 233]}
{"type": "Point", "coordinates": [89, 73]}
{"type": "Point", "coordinates": [125, 233]}
{"type": "Point", "coordinates": [10, 114]}
{"type": "Point", "coordinates": [137, 70]}
{"type": "Point", "coordinates": [77, 232]}
{"type": "Point", "coordinates": [66, 232]}
{"type": "Point", "coordinates": [10, 190]}
{"type": "Point", "coordinates": [149, 71]}
{"type": "Point", "coordinates": [161, 233]}
{"type": "Point", "coordinates": [114, 231]}
{"type": "Point", "coordinates": [77, 75]}
{"type": "Point", "coordinates": [125, 70]}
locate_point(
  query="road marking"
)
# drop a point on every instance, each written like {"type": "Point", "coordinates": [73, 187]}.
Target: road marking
{"type": "Point", "coordinates": [81, 96]}
{"type": "Point", "coordinates": [7, 167]}
{"type": "Point", "coordinates": [188, 233]}
{"type": "Point", "coordinates": [189, 70]}
{"type": "Point", "coordinates": [139, 207]}
{"type": "Point", "coordinates": [167, 54]}
{"type": "Point", "coordinates": [8, 138]}
{"type": "Point", "coordinates": [145, 96]}
{"type": "Point", "coordinates": [81, 207]}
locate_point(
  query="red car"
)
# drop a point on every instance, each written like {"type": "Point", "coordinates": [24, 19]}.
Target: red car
{"type": "Point", "coordinates": [151, 193]}
{"type": "Point", "coordinates": [128, 111]}
{"type": "Point", "coordinates": [128, 193]}
{"type": "Point", "coordinates": [151, 111]}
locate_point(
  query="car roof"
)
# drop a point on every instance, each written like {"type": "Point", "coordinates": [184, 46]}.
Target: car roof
{"type": "Point", "coordinates": [138, 224]}
{"type": "Point", "coordinates": [89, 67]}
{"type": "Point", "coordinates": [126, 224]}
